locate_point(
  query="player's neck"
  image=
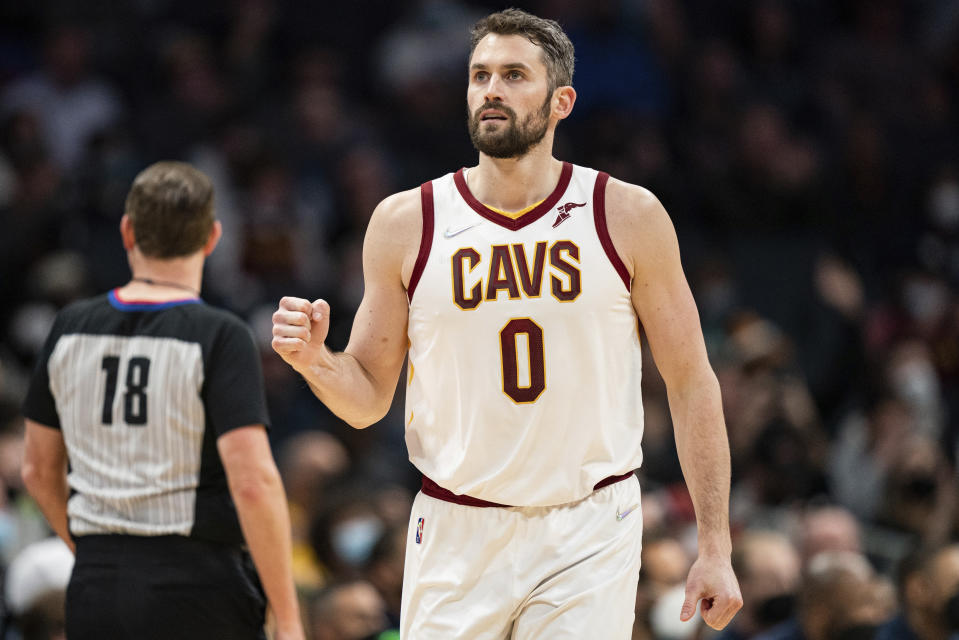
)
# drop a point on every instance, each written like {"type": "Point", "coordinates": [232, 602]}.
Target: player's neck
{"type": "Point", "coordinates": [159, 280]}
{"type": "Point", "coordinates": [512, 184]}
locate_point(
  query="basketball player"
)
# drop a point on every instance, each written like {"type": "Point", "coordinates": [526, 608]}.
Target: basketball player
{"type": "Point", "coordinates": [156, 402]}
{"type": "Point", "coordinates": [515, 287]}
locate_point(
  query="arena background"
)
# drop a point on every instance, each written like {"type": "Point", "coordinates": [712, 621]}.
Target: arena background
{"type": "Point", "coordinates": [807, 151]}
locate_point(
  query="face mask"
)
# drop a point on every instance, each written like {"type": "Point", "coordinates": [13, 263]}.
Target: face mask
{"type": "Point", "coordinates": [774, 610]}
{"type": "Point", "coordinates": [944, 204]}
{"type": "Point", "coordinates": [353, 540]}
{"type": "Point", "coordinates": [855, 632]}
{"type": "Point", "coordinates": [918, 382]}
{"type": "Point", "coordinates": [919, 487]}
{"type": "Point", "coordinates": [950, 613]}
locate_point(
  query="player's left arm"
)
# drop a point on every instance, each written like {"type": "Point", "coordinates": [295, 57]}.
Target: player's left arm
{"type": "Point", "coordinates": [44, 474]}
{"type": "Point", "coordinates": [645, 239]}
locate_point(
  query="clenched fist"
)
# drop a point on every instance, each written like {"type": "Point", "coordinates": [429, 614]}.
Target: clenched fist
{"type": "Point", "coordinates": [299, 331]}
{"type": "Point", "coordinates": [712, 583]}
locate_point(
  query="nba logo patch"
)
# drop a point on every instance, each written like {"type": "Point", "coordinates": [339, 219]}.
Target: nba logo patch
{"type": "Point", "coordinates": [419, 531]}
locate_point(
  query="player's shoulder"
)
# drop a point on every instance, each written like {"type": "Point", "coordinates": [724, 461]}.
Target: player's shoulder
{"type": "Point", "coordinates": [396, 224]}
{"type": "Point", "coordinates": [632, 208]}
{"type": "Point", "coordinates": [639, 226]}
{"type": "Point", "coordinates": [625, 198]}
{"type": "Point", "coordinates": [400, 208]}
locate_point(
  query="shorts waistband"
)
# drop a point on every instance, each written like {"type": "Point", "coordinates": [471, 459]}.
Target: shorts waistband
{"type": "Point", "coordinates": [118, 543]}
{"type": "Point", "coordinates": [434, 490]}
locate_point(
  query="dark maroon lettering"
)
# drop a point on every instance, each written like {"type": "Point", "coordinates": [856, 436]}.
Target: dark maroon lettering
{"type": "Point", "coordinates": [502, 275]}
{"type": "Point", "coordinates": [476, 293]}
{"type": "Point", "coordinates": [537, 360]}
{"type": "Point", "coordinates": [557, 262]}
{"type": "Point", "coordinates": [531, 281]}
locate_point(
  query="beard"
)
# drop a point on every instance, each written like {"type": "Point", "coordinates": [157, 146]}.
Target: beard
{"type": "Point", "coordinates": [515, 139]}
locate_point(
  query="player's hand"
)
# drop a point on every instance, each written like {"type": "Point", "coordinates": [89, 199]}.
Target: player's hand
{"type": "Point", "coordinates": [299, 331]}
{"type": "Point", "coordinates": [711, 580]}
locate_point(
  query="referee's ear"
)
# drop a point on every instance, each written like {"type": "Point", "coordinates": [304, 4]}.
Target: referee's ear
{"type": "Point", "coordinates": [126, 232]}
{"type": "Point", "coordinates": [215, 234]}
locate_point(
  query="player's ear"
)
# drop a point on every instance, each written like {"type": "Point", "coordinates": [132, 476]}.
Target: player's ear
{"type": "Point", "coordinates": [563, 100]}
{"type": "Point", "coordinates": [126, 232]}
{"type": "Point", "coordinates": [215, 234]}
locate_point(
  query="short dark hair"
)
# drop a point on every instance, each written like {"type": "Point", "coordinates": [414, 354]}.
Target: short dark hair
{"type": "Point", "coordinates": [546, 34]}
{"type": "Point", "coordinates": [171, 208]}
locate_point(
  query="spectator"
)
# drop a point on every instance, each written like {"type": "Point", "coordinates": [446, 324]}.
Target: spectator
{"type": "Point", "coordinates": [385, 569]}
{"type": "Point", "coordinates": [769, 570]}
{"type": "Point", "coordinates": [920, 497]}
{"type": "Point", "coordinates": [929, 593]}
{"type": "Point", "coordinates": [840, 597]}
{"type": "Point", "coordinates": [828, 528]}
{"type": "Point", "coordinates": [71, 103]}
{"type": "Point", "coordinates": [350, 610]}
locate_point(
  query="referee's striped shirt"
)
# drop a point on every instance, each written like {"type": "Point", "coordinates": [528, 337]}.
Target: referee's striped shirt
{"type": "Point", "coordinates": [141, 391]}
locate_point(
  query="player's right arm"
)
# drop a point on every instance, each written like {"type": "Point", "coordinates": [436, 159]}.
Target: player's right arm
{"type": "Point", "coordinates": [358, 383]}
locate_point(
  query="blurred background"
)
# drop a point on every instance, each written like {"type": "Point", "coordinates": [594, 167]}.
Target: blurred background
{"type": "Point", "coordinates": [807, 151]}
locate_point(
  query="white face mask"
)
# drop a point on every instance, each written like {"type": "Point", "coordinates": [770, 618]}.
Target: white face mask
{"type": "Point", "coordinates": [944, 205]}
{"type": "Point", "coordinates": [917, 381]}
{"type": "Point", "coordinates": [664, 616]}
{"type": "Point", "coordinates": [353, 539]}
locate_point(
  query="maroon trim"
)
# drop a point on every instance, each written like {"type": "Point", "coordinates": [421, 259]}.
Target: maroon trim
{"type": "Point", "coordinates": [605, 482]}
{"type": "Point", "coordinates": [599, 216]}
{"type": "Point", "coordinates": [433, 490]}
{"type": "Point", "coordinates": [527, 218]}
{"type": "Point", "coordinates": [426, 240]}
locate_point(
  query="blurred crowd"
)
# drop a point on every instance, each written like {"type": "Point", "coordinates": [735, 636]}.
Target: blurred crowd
{"type": "Point", "coordinates": [807, 151]}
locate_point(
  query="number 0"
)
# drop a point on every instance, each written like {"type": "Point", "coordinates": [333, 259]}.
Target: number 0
{"type": "Point", "coordinates": [510, 358]}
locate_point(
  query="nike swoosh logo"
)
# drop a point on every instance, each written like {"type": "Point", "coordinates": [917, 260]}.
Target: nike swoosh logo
{"type": "Point", "coordinates": [621, 515]}
{"type": "Point", "coordinates": [450, 232]}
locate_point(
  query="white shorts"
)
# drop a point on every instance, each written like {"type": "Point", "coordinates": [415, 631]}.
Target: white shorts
{"type": "Point", "coordinates": [523, 573]}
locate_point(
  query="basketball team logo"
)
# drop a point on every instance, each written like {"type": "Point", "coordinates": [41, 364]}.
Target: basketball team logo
{"type": "Point", "coordinates": [564, 210]}
{"type": "Point", "coordinates": [419, 531]}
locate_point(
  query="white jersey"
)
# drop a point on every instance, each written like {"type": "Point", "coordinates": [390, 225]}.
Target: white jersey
{"type": "Point", "coordinates": [524, 359]}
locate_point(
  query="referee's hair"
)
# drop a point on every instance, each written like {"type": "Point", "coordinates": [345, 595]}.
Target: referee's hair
{"type": "Point", "coordinates": [171, 208]}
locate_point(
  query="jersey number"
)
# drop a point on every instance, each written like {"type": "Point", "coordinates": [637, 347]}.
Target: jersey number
{"type": "Point", "coordinates": [135, 396]}
{"type": "Point", "coordinates": [509, 355]}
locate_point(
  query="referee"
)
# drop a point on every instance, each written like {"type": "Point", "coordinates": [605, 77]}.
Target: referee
{"type": "Point", "coordinates": [146, 445]}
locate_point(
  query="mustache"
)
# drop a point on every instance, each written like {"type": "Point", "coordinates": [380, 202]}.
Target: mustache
{"type": "Point", "coordinates": [494, 105]}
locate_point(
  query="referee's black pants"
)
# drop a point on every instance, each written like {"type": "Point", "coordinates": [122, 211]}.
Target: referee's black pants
{"type": "Point", "coordinates": [162, 588]}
